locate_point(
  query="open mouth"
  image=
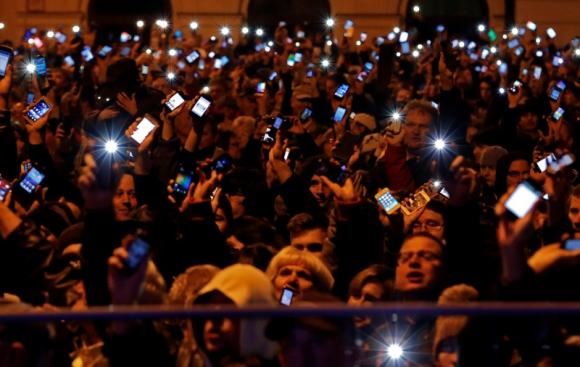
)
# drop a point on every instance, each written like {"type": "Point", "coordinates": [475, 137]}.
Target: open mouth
{"type": "Point", "coordinates": [415, 277]}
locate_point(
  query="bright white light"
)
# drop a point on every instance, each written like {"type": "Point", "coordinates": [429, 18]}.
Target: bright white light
{"type": "Point", "coordinates": [539, 53]}
{"type": "Point", "coordinates": [397, 30]}
{"type": "Point", "coordinates": [329, 22]}
{"type": "Point", "coordinates": [140, 23]}
{"type": "Point", "coordinates": [493, 49]}
{"type": "Point", "coordinates": [2, 25]}
{"type": "Point", "coordinates": [358, 43]}
{"type": "Point", "coordinates": [394, 351]}
{"type": "Point", "coordinates": [439, 144]}
{"type": "Point", "coordinates": [505, 36]}
{"type": "Point", "coordinates": [416, 9]}
{"type": "Point", "coordinates": [30, 41]}
{"type": "Point", "coordinates": [205, 90]}
{"type": "Point", "coordinates": [329, 43]}
{"type": "Point", "coordinates": [111, 146]}
{"type": "Point", "coordinates": [162, 23]}
{"type": "Point", "coordinates": [259, 32]}
{"type": "Point", "coordinates": [419, 46]}
{"type": "Point", "coordinates": [297, 44]}
{"type": "Point", "coordinates": [76, 29]}
{"type": "Point", "coordinates": [224, 31]}
{"type": "Point", "coordinates": [267, 49]}
{"type": "Point", "coordinates": [461, 44]}
{"type": "Point", "coordinates": [325, 63]}
{"type": "Point", "coordinates": [211, 54]}
{"type": "Point", "coordinates": [170, 76]}
{"type": "Point", "coordinates": [245, 30]}
{"type": "Point", "coordinates": [499, 62]}
{"type": "Point", "coordinates": [398, 54]}
{"type": "Point", "coordinates": [193, 25]}
{"type": "Point", "coordinates": [148, 51]}
{"type": "Point", "coordinates": [172, 52]}
{"type": "Point", "coordinates": [396, 116]}
{"type": "Point", "coordinates": [481, 27]}
{"type": "Point", "coordinates": [515, 31]}
{"type": "Point", "coordinates": [577, 52]}
{"type": "Point", "coordinates": [30, 68]}
{"type": "Point", "coordinates": [437, 183]}
{"type": "Point", "coordinates": [538, 40]}
{"type": "Point", "coordinates": [415, 53]}
{"type": "Point", "coordinates": [50, 34]}
{"type": "Point", "coordinates": [501, 90]}
{"type": "Point", "coordinates": [270, 44]}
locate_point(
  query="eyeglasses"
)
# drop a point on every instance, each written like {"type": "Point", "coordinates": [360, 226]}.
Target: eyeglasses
{"type": "Point", "coordinates": [428, 225]}
{"type": "Point", "coordinates": [405, 257]}
{"type": "Point", "coordinates": [310, 247]}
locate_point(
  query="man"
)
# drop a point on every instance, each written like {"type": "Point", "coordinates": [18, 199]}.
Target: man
{"type": "Point", "coordinates": [574, 211]}
{"type": "Point", "coordinates": [308, 233]}
{"type": "Point", "coordinates": [431, 221]}
{"type": "Point", "coordinates": [405, 163]}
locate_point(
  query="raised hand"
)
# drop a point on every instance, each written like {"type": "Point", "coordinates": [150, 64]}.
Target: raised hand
{"type": "Point", "coordinates": [345, 193]}
{"type": "Point", "coordinates": [128, 103]}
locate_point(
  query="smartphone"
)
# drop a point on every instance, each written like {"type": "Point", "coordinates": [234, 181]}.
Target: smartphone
{"type": "Point", "coordinates": [403, 37]}
{"type": "Point", "coordinates": [6, 55]}
{"type": "Point", "coordinates": [298, 57]}
{"type": "Point", "coordinates": [87, 54]}
{"type": "Point", "coordinates": [287, 296]}
{"type": "Point", "coordinates": [503, 68]}
{"type": "Point", "coordinates": [38, 110]}
{"type": "Point", "coordinates": [224, 60]}
{"type": "Point", "coordinates": [306, 114]}
{"type": "Point", "coordinates": [513, 43]}
{"type": "Point", "coordinates": [522, 200]}
{"type": "Point", "coordinates": [531, 26]}
{"type": "Point", "coordinates": [291, 61]}
{"type": "Point", "coordinates": [201, 106]}
{"type": "Point", "coordinates": [105, 51]}
{"type": "Point", "coordinates": [174, 101]}
{"type": "Point", "coordinates": [557, 115]}
{"type": "Point", "coordinates": [300, 34]}
{"type": "Point", "coordinates": [387, 201]}
{"type": "Point", "coordinates": [194, 55]}
{"type": "Point", "coordinates": [272, 76]}
{"type": "Point", "coordinates": [32, 180]}
{"type": "Point", "coordinates": [29, 98]}
{"type": "Point", "coordinates": [144, 128]}
{"type": "Point", "coordinates": [125, 51]}
{"type": "Point", "coordinates": [557, 60]}
{"type": "Point", "coordinates": [543, 164]}
{"type": "Point", "coordinates": [291, 154]}
{"type": "Point", "coordinates": [270, 135]}
{"type": "Point", "coordinates": [563, 162]}
{"type": "Point", "coordinates": [405, 48]}
{"type": "Point", "coordinates": [40, 63]}
{"type": "Point", "coordinates": [309, 73]}
{"type": "Point", "coordinates": [69, 61]}
{"type": "Point", "coordinates": [416, 202]}
{"type": "Point", "coordinates": [339, 114]}
{"type": "Point", "coordinates": [144, 69]}
{"type": "Point", "coordinates": [4, 189]}
{"type": "Point", "coordinates": [222, 164]}
{"type": "Point", "coordinates": [362, 76]}
{"type": "Point", "coordinates": [517, 84]}
{"type": "Point", "coordinates": [537, 72]}
{"type": "Point", "coordinates": [555, 93]}
{"type": "Point", "coordinates": [60, 38]}
{"type": "Point", "coordinates": [125, 37]}
{"type": "Point", "coordinates": [341, 91]}
{"type": "Point", "coordinates": [363, 36]}
{"type": "Point", "coordinates": [183, 180]}
{"type": "Point", "coordinates": [551, 33]}
{"type": "Point", "coordinates": [261, 88]}
{"type": "Point", "coordinates": [571, 245]}
{"type": "Point", "coordinates": [137, 253]}
{"type": "Point", "coordinates": [368, 66]}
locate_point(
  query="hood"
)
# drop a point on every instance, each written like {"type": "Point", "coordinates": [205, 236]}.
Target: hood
{"type": "Point", "coordinates": [246, 285]}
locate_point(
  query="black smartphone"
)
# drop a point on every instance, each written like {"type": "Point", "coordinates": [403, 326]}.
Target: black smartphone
{"type": "Point", "coordinates": [174, 100]}
{"type": "Point", "coordinates": [6, 55]}
{"type": "Point", "coordinates": [40, 63]}
{"type": "Point", "coordinates": [543, 164]}
{"type": "Point", "coordinates": [103, 52]}
{"type": "Point", "coordinates": [183, 180]}
{"type": "Point", "coordinates": [38, 110]}
{"type": "Point", "coordinates": [557, 115]}
{"type": "Point", "coordinates": [138, 251]}
{"type": "Point", "coordinates": [261, 88]}
{"type": "Point", "coordinates": [271, 131]}
{"type": "Point", "coordinates": [222, 164]}
{"type": "Point", "coordinates": [341, 91]}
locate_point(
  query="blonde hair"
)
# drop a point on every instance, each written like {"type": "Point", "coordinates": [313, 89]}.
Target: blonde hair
{"type": "Point", "coordinates": [321, 275]}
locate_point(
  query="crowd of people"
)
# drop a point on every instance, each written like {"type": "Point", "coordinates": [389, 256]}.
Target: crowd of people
{"type": "Point", "coordinates": [305, 168]}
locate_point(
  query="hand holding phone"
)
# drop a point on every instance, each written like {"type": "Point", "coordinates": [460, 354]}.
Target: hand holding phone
{"type": "Point", "coordinates": [174, 101]}
{"type": "Point", "coordinates": [137, 253]}
{"type": "Point", "coordinates": [143, 129]}
{"type": "Point", "coordinates": [38, 110]}
{"type": "Point", "coordinates": [523, 199]}
{"type": "Point", "coordinates": [287, 296]}
{"type": "Point", "coordinates": [387, 201]}
{"type": "Point", "coordinates": [6, 55]}
{"type": "Point", "coordinates": [200, 107]}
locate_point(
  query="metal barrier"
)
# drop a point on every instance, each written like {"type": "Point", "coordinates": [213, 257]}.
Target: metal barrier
{"type": "Point", "coordinates": [325, 310]}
